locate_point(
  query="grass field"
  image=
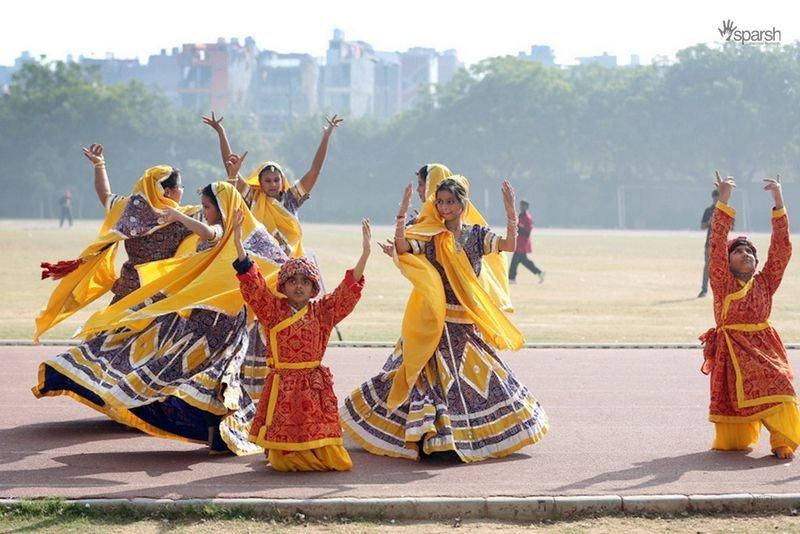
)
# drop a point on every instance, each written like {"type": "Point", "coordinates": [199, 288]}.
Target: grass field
{"type": "Point", "coordinates": [601, 286]}
{"type": "Point", "coordinates": [60, 518]}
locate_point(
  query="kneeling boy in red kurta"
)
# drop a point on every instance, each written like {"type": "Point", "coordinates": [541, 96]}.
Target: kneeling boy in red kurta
{"type": "Point", "coordinates": [751, 378]}
{"type": "Point", "coordinates": [298, 420]}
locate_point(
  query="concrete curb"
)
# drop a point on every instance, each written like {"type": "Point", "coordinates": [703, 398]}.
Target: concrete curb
{"type": "Point", "coordinates": [506, 508]}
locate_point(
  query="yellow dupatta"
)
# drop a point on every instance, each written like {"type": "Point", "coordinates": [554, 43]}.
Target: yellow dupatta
{"type": "Point", "coordinates": [436, 173]}
{"type": "Point", "coordinates": [96, 273]}
{"type": "Point", "coordinates": [494, 273]}
{"type": "Point", "coordinates": [202, 280]}
{"type": "Point", "coordinates": [424, 317]}
{"type": "Point", "coordinates": [272, 214]}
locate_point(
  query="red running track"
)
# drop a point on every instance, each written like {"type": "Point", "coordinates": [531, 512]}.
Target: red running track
{"type": "Point", "coordinates": [622, 422]}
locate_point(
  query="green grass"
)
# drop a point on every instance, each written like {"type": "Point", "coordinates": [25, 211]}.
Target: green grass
{"type": "Point", "coordinates": [601, 286]}
{"type": "Point", "coordinates": [60, 516]}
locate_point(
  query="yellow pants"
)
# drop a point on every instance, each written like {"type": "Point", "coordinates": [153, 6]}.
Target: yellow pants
{"type": "Point", "coordinates": [783, 426]}
{"type": "Point", "coordinates": [327, 458]}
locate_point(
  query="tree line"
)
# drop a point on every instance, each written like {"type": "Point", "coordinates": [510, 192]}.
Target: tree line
{"type": "Point", "coordinates": [587, 146]}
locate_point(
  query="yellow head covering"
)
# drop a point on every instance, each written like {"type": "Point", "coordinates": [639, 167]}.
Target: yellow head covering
{"type": "Point", "coordinates": [96, 273]}
{"type": "Point", "coordinates": [436, 173]}
{"type": "Point", "coordinates": [271, 213]}
{"type": "Point", "coordinates": [202, 280]}
{"type": "Point", "coordinates": [254, 179]}
{"type": "Point", "coordinates": [483, 298]}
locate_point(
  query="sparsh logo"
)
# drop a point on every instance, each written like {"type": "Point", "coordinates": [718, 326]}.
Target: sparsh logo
{"type": "Point", "coordinates": [727, 29]}
{"type": "Point", "coordinates": [730, 32]}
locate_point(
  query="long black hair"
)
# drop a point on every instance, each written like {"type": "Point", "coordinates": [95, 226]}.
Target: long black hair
{"type": "Point", "coordinates": [455, 188]}
{"type": "Point", "coordinates": [208, 192]}
{"type": "Point", "coordinates": [422, 173]}
{"type": "Point", "coordinates": [172, 180]}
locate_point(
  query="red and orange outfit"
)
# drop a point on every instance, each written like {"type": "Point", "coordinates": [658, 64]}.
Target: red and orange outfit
{"type": "Point", "coordinates": [298, 420]}
{"type": "Point", "coordinates": [751, 377]}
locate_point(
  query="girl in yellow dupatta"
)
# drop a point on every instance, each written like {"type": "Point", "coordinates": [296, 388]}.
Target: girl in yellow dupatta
{"type": "Point", "coordinates": [494, 275]}
{"type": "Point", "coordinates": [167, 358]}
{"type": "Point", "coordinates": [445, 386]}
{"type": "Point", "coordinates": [133, 220]}
{"type": "Point", "coordinates": [268, 193]}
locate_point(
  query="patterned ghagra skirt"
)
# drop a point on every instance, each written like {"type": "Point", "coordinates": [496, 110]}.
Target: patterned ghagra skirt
{"type": "Point", "coordinates": [175, 379]}
{"type": "Point", "coordinates": [465, 400]}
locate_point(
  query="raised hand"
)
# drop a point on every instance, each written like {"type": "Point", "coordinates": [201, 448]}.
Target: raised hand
{"type": "Point", "coordinates": [332, 123]}
{"type": "Point", "coordinates": [213, 121]}
{"type": "Point", "coordinates": [388, 247]}
{"type": "Point", "coordinates": [773, 185]}
{"type": "Point", "coordinates": [366, 236]}
{"type": "Point", "coordinates": [509, 200]}
{"type": "Point", "coordinates": [725, 186]}
{"type": "Point", "coordinates": [406, 201]}
{"type": "Point", "coordinates": [238, 220]}
{"type": "Point", "coordinates": [94, 154]}
{"type": "Point", "coordinates": [233, 164]}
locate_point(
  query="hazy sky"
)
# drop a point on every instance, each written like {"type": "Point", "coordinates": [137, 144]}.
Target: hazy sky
{"type": "Point", "coordinates": [497, 27]}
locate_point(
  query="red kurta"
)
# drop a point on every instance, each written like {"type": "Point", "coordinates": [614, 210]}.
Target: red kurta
{"type": "Point", "coordinates": [525, 227]}
{"type": "Point", "coordinates": [748, 364]}
{"type": "Point", "coordinates": [298, 409]}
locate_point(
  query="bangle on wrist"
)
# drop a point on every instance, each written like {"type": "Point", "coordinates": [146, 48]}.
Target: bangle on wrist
{"type": "Point", "coordinates": [99, 164]}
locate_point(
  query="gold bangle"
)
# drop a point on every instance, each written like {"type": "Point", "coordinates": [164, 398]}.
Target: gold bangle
{"type": "Point", "coordinates": [100, 164]}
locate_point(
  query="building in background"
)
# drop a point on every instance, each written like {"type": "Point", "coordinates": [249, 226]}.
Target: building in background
{"type": "Point", "coordinates": [6, 72]}
{"type": "Point", "coordinates": [113, 70]}
{"type": "Point", "coordinates": [420, 71]}
{"type": "Point", "coordinates": [449, 64]}
{"type": "Point", "coordinates": [216, 75]}
{"type": "Point", "coordinates": [347, 80]}
{"type": "Point", "coordinates": [164, 74]}
{"type": "Point", "coordinates": [540, 54]}
{"type": "Point", "coordinates": [276, 88]}
{"type": "Point", "coordinates": [284, 87]}
{"type": "Point", "coordinates": [603, 60]}
{"type": "Point", "coordinates": [388, 100]}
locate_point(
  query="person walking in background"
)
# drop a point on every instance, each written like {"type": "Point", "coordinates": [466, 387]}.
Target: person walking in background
{"type": "Point", "coordinates": [524, 245]}
{"type": "Point", "coordinates": [705, 224]}
{"type": "Point", "coordinates": [66, 208]}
